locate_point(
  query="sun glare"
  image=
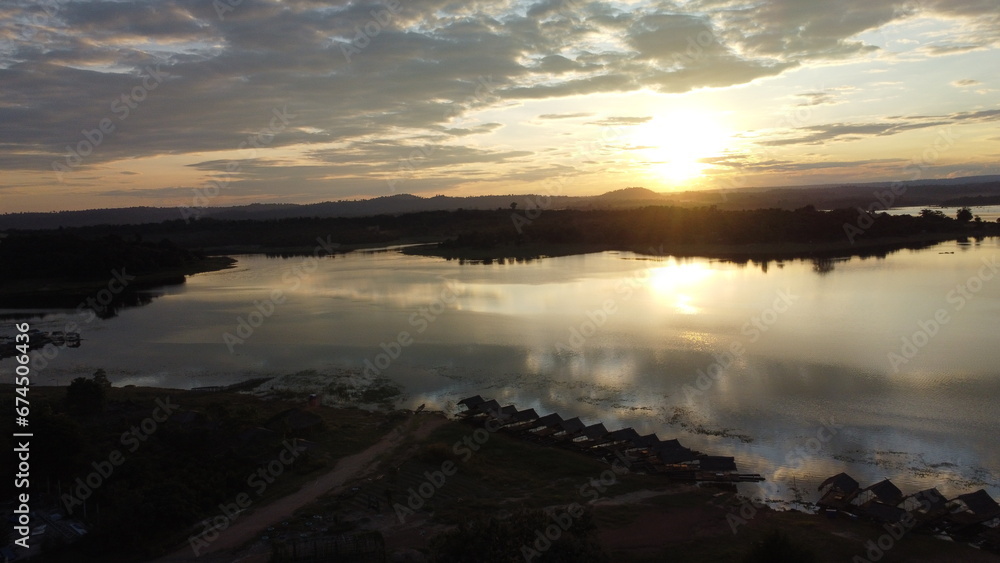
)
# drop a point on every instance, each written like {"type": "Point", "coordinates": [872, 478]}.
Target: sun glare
{"type": "Point", "coordinates": [674, 144]}
{"type": "Point", "coordinates": [677, 283]}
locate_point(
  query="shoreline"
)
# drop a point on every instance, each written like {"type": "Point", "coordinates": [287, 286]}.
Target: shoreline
{"type": "Point", "coordinates": [68, 293]}
{"type": "Point", "coordinates": [714, 251]}
{"type": "Point", "coordinates": [637, 516]}
{"type": "Point", "coordinates": [736, 253]}
{"type": "Point", "coordinates": [40, 293]}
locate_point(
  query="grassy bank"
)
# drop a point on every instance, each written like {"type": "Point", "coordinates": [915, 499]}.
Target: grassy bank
{"type": "Point", "coordinates": [198, 458]}
{"type": "Point", "coordinates": [637, 518]}
{"type": "Point", "coordinates": [177, 471]}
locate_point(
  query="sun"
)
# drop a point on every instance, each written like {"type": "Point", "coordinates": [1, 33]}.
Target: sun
{"type": "Point", "coordinates": [673, 145]}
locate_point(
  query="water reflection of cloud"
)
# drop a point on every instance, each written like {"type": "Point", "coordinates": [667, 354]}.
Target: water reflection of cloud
{"type": "Point", "coordinates": [826, 355]}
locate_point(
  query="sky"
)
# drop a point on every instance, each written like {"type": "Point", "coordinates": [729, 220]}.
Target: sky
{"type": "Point", "coordinates": [194, 103]}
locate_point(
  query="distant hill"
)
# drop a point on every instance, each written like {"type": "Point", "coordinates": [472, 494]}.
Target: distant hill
{"type": "Point", "coordinates": [630, 194]}
{"type": "Point", "coordinates": [920, 192]}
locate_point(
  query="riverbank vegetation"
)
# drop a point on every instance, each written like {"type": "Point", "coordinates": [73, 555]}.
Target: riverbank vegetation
{"type": "Point", "coordinates": [61, 268]}
{"type": "Point", "coordinates": [141, 467]}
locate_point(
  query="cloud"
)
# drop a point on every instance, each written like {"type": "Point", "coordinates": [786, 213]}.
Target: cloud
{"type": "Point", "coordinates": [557, 64]}
{"type": "Point", "coordinates": [621, 121]}
{"type": "Point", "coordinates": [174, 193]}
{"type": "Point", "coordinates": [564, 115]}
{"type": "Point", "coordinates": [798, 30]}
{"type": "Point", "coordinates": [419, 71]}
{"type": "Point", "coordinates": [965, 83]}
{"type": "Point", "coordinates": [816, 99]}
{"type": "Point", "coordinates": [951, 49]}
{"type": "Point", "coordinates": [980, 116]}
{"type": "Point", "coordinates": [412, 78]}
{"type": "Point", "coordinates": [748, 164]}
{"type": "Point", "coordinates": [474, 130]}
{"type": "Point", "coordinates": [819, 134]}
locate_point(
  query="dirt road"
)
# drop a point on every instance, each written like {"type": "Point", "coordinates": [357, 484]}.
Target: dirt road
{"type": "Point", "coordinates": [246, 527]}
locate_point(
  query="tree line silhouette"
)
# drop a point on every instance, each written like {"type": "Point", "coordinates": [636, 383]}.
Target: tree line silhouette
{"type": "Point", "coordinates": [91, 252]}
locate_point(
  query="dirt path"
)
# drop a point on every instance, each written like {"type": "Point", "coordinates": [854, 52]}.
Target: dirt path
{"type": "Point", "coordinates": [246, 527]}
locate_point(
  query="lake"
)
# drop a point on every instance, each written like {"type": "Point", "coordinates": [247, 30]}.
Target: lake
{"type": "Point", "coordinates": [883, 367]}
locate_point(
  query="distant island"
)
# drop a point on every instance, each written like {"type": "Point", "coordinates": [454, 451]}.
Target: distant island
{"type": "Point", "coordinates": [762, 234]}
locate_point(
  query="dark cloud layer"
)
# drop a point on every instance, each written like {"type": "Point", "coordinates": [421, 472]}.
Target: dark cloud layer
{"type": "Point", "coordinates": [380, 77]}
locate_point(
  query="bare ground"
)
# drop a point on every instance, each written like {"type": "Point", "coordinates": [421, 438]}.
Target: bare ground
{"type": "Point", "coordinates": [246, 527]}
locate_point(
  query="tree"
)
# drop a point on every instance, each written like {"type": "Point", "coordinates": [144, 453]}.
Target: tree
{"type": "Point", "coordinates": [964, 214]}
{"type": "Point", "coordinates": [85, 396]}
{"type": "Point", "coordinates": [101, 378]}
{"type": "Point", "coordinates": [513, 205]}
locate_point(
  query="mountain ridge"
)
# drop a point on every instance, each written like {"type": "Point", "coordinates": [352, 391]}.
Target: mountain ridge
{"type": "Point", "coordinates": [830, 196]}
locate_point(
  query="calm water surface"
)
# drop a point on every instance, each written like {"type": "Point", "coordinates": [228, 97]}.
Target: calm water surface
{"type": "Point", "coordinates": [628, 340]}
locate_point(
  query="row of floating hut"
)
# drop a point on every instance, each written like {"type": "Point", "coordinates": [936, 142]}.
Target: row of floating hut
{"type": "Point", "coordinates": [38, 339]}
{"type": "Point", "coordinates": [645, 454]}
{"type": "Point", "coordinates": [973, 517]}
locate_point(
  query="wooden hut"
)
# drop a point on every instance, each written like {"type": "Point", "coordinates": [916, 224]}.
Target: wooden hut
{"type": "Point", "coordinates": [838, 491]}
{"type": "Point", "coordinates": [883, 491]}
